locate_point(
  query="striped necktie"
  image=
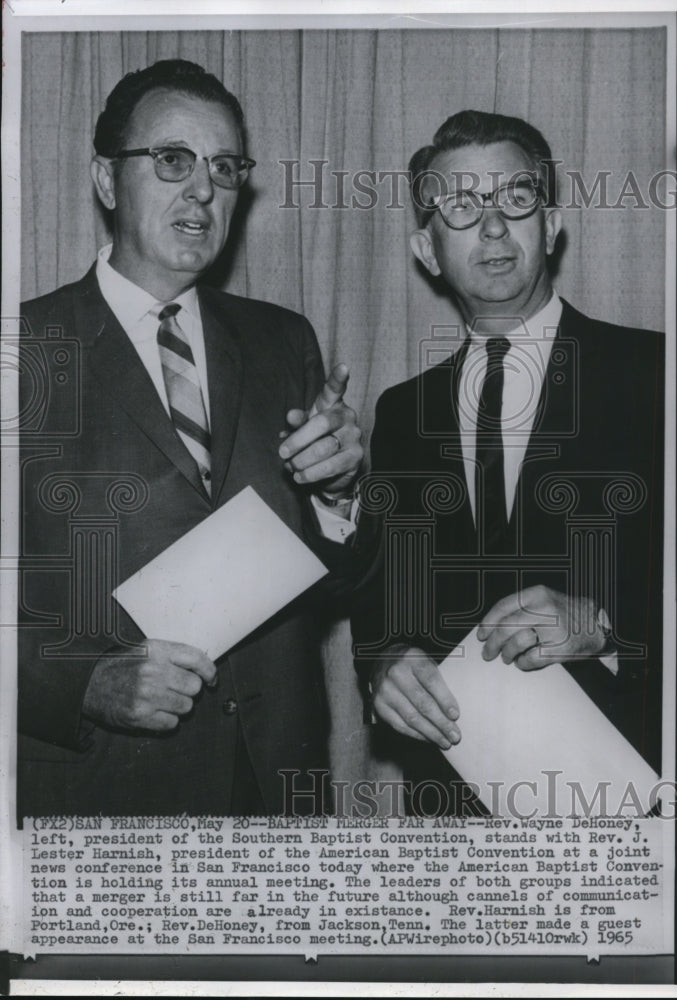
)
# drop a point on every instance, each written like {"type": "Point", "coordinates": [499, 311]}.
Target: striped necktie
{"type": "Point", "coordinates": [186, 404]}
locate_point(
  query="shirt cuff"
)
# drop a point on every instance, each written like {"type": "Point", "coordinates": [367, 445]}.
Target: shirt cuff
{"type": "Point", "coordinates": [610, 662]}
{"type": "Point", "coordinates": [332, 525]}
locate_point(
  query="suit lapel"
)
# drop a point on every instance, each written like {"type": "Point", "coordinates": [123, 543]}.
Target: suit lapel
{"type": "Point", "coordinates": [225, 375]}
{"type": "Point", "coordinates": [457, 362]}
{"type": "Point", "coordinates": [439, 402]}
{"type": "Point", "coordinates": [556, 423]}
{"type": "Point", "coordinates": [440, 411]}
{"type": "Point", "coordinates": [118, 367]}
{"type": "Point", "coordinates": [556, 417]}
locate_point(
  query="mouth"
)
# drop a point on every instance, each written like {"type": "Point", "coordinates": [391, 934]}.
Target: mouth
{"type": "Point", "coordinates": [190, 227]}
{"type": "Point", "coordinates": [497, 261]}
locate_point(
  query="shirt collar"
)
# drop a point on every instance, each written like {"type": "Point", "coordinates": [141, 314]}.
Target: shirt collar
{"type": "Point", "coordinates": [130, 303]}
{"type": "Point", "coordinates": [542, 325]}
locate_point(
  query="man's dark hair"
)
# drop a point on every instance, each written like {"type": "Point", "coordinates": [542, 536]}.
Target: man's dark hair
{"type": "Point", "coordinates": [477, 128]}
{"type": "Point", "coordinates": [170, 74]}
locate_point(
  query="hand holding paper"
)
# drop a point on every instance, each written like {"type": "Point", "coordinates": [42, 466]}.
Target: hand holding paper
{"type": "Point", "coordinates": [518, 726]}
{"type": "Point", "coordinates": [409, 694]}
{"type": "Point", "coordinates": [539, 626]}
{"type": "Point", "coordinates": [150, 690]}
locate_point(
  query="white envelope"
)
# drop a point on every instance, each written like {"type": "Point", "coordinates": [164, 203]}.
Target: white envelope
{"type": "Point", "coordinates": [222, 579]}
{"type": "Point", "coordinates": [519, 725]}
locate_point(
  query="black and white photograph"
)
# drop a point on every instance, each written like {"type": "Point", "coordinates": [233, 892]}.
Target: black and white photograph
{"type": "Point", "coordinates": [338, 491]}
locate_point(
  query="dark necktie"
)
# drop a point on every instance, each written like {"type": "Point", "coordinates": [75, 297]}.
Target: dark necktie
{"type": "Point", "coordinates": [186, 403]}
{"type": "Point", "coordinates": [491, 517]}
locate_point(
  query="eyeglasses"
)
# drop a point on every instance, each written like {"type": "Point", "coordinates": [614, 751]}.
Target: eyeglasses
{"type": "Point", "coordinates": [175, 163]}
{"type": "Point", "coordinates": [464, 209]}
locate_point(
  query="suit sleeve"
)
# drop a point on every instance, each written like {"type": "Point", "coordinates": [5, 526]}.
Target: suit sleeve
{"type": "Point", "coordinates": [370, 624]}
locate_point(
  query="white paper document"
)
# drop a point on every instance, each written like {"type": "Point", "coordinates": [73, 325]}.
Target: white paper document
{"type": "Point", "coordinates": [535, 744]}
{"type": "Point", "coordinates": [222, 579]}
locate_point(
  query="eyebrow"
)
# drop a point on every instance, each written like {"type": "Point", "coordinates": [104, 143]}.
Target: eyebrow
{"type": "Point", "coordinates": [523, 182]}
{"type": "Point", "coordinates": [183, 144]}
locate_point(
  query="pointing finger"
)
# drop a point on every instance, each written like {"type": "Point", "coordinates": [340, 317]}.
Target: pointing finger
{"type": "Point", "coordinates": [333, 389]}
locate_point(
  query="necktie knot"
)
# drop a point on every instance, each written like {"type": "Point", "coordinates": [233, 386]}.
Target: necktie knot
{"type": "Point", "coordinates": [497, 348]}
{"type": "Point", "coordinates": [168, 311]}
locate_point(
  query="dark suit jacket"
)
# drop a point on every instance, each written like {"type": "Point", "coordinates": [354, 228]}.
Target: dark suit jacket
{"type": "Point", "coordinates": [587, 517]}
{"type": "Point", "coordinates": [106, 486]}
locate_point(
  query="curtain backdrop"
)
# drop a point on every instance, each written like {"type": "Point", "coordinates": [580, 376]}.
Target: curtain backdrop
{"type": "Point", "coordinates": [364, 101]}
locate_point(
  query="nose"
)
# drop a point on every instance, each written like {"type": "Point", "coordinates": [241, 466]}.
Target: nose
{"type": "Point", "coordinates": [199, 185]}
{"type": "Point", "coordinates": [492, 224]}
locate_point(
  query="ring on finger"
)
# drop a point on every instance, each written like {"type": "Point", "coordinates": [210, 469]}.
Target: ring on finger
{"type": "Point", "coordinates": [338, 443]}
{"type": "Point", "coordinates": [537, 641]}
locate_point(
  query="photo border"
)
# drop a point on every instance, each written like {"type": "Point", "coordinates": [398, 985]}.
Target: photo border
{"type": "Point", "coordinates": [247, 975]}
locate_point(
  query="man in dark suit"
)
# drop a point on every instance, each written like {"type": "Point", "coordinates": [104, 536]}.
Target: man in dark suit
{"type": "Point", "coordinates": [183, 396]}
{"type": "Point", "coordinates": [516, 486]}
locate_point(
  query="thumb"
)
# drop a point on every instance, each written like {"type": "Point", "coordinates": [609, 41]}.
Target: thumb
{"type": "Point", "coordinates": [333, 389]}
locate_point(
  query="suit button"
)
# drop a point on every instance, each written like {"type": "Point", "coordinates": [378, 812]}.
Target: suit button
{"type": "Point", "coordinates": [230, 706]}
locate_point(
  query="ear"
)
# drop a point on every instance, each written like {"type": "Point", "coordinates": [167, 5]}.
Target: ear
{"type": "Point", "coordinates": [103, 176]}
{"type": "Point", "coordinates": [553, 224]}
{"type": "Point", "coordinates": [422, 246]}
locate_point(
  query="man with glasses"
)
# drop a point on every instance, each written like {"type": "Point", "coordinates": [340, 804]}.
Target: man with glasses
{"type": "Point", "coordinates": [186, 395]}
{"type": "Point", "coordinates": [511, 487]}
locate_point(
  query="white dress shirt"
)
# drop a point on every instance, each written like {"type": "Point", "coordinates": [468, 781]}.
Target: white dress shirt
{"type": "Point", "coordinates": [137, 313]}
{"type": "Point", "coordinates": [524, 368]}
